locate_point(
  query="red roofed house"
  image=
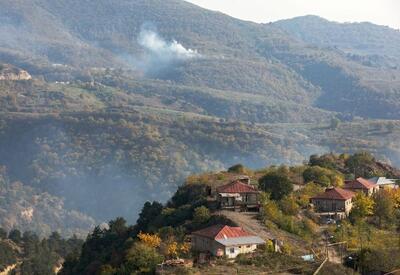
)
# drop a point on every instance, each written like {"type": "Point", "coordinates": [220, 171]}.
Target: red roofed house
{"type": "Point", "coordinates": [333, 203]}
{"type": "Point", "coordinates": [361, 185]}
{"type": "Point", "coordinates": [223, 240]}
{"type": "Point", "coordinates": [238, 196]}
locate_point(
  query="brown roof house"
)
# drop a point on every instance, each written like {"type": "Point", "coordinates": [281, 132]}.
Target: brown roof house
{"type": "Point", "coordinates": [238, 196]}
{"type": "Point", "coordinates": [223, 240]}
{"type": "Point", "coordinates": [361, 185]}
{"type": "Point", "coordinates": [333, 203]}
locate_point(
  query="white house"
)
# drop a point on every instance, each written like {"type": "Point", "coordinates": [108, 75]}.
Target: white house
{"type": "Point", "coordinates": [223, 240]}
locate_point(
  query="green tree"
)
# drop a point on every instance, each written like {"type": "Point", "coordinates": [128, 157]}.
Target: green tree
{"type": "Point", "coordinates": [201, 215]}
{"type": "Point", "coordinates": [384, 207]}
{"type": "Point", "coordinates": [322, 176]}
{"type": "Point", "coordinates": [15, 235]}
{"type": "Point", "coordinates": [149, 212]}
{"type": "Point", "coordinates": [276, 184]}
{"type": "Point", "coordinates": [3, 234]}
{"type": "Point", "coordinates": [358, 164]}
{"type": "Point", "coordinates": [237, 168]}
{"type": "Point", "coordinates": [142, 258]}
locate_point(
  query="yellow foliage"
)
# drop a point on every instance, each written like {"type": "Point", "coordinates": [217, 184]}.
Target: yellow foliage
{"type": "Point", "coordinates": [152, 240]}
{"type": "Point", "coordinates": [172, 250]}
{"type": "Point", "coordinates": [395, 194]}
{"type": "Point", "coordinates": [184, 248]}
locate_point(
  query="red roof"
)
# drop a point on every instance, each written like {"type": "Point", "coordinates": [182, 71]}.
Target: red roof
{"type": "Point", "coordinates": [335, 194]}
{"type": "Point", "coordinates": [359, 183]}
{"type": "Point", "coordinates": [218, 232]}
{"type": "Point", "coordinates": [237, 187]}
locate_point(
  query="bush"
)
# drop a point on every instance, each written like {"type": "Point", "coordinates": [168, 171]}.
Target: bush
{"type": "Point", "coordinates": [201, 215]}
{"type": "Point", "coordinates": [143, 258]}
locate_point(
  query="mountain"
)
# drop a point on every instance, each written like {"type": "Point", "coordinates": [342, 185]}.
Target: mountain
{"type": "Point", "coordinates": [127, 98]}
{"type": "Point", "coordinates": [369, 43]}
{"type": "Point", "coordinates": [211, 50]}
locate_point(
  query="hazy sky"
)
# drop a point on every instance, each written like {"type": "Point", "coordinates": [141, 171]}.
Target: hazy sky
{"type": "Point", "coordinates": [382, 12]}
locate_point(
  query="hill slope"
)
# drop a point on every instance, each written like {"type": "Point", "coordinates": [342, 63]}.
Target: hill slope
{"type": "Point", "coordinates": [211, 50]}
{"type": "Point", "coordinates": [129, 97]}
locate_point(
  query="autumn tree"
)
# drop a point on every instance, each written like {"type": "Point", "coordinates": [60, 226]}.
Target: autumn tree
{"type": "Point", "coordinates": [152, 240]}
{"type": "Point", "coordinates": [363, 207]}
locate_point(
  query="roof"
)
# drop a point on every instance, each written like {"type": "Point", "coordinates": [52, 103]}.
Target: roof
{"type": "Point", "coordinates": [241, 241]}
{"type": "Point", "coordinates": [222, 232]}
{"type": "Point", "coordinates": [237, 187]}
{"type": "Point", "coordinates": [359, 183]}
{"type": "Point", "coordinates": [381, 180]}
{"type": "Point", "coordinates": [335, 194]}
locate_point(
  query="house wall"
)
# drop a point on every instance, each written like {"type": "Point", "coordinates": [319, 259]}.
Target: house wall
{"type": "Point", "coordinates": [250, 199]}
{"type": "Point", "coordinates": [326, 205]}
{"type": "Point", "coordinates": [204, 244]}
{"type": "Point", "coordinates": [234, 251]}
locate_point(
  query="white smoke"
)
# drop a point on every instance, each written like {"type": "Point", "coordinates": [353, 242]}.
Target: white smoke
{"type": "Point", "coordinates": [160, 56]}
{"type": "Point", "coordinates": [163, 50]}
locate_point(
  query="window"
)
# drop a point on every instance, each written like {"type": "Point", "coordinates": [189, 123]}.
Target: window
{"type": "Point", "coordinates": [232, 250]}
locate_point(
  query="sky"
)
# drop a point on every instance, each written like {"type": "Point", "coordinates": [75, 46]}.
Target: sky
{"type": "Point", "coordinates": [381, 12]}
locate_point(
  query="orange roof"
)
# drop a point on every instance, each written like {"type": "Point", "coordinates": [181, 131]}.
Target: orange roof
{"type": "Point", "coordinates": [218, 232]}
{"type": "Point", "coordinates": [359, 183]}
{"type": "Point", "coordinates": [335, 194]}
{"type": "Point", "coordinates": [237, 187]}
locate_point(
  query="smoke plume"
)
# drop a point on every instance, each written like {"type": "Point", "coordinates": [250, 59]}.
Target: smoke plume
{"type": "Point", "coordinates": [160, 55]}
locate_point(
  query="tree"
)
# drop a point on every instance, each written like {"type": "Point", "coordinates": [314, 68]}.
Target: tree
{"type": "Point", "coordinates": [143, 258]}
{"type": "Point", "coordinates": [383, 207]}
{"type": "Point", "coordinates": [358, 163]}
{"type": "Point", "coordinates": [152, 240]}
{"type": "Point", "coordinates": [3, 234]}
{"type": "Point", "coordinates": [237, 168]}
{"type": "Point", "coordinates": [363, 206]}
{"type": "Point", "coordinates": [322, 176]}
{"type": "Point", "coordinates": [276, 184]}
{"type": "Point", "coordinates": [289, 205]}
{"type": "Point", "coordinates": [201, 215]}
{"type": "Point", "coordinates": [149, 212]}
{"type": "Point", "coordinates": [15, 235]}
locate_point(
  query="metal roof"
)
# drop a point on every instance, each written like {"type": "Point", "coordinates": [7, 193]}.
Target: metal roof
{"type": "Point", "coordinates": [382, 180]}
{"type": "Point", "coordinates": [241, 241]}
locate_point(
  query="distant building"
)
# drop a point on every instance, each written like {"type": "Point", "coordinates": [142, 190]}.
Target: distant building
{"type": "Point", "coordinates": [238, 196]}
{"type": "Point", "coordinates": [333, 203]}
{"type": "Point", "coordinates": [361, 185]}
{"type": "Point", "coordinates": [384, 183]}
{"type": "Point", "coordinates": [223, 240]}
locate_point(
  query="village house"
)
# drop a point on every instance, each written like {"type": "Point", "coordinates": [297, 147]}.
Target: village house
{"type": "Point", "coordinates": [238, 196]}
{"type": "Point", "coordinates": [335, 203]}
{"type": "Point", "coordinates": [361, 185]}
{"type": "Point", "coordinates": [223, 240]}
{"type": "Point", "coordinates": [384, 183]}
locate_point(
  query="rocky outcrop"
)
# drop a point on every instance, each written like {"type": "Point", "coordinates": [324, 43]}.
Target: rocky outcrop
{"type": "Point", "coordinates": [8, 72]}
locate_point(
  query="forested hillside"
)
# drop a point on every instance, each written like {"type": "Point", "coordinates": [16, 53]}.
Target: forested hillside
{"type": "Point", "coordinates": [164, 232]}
{"type": "Point", "coordinates": [112, 103]}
